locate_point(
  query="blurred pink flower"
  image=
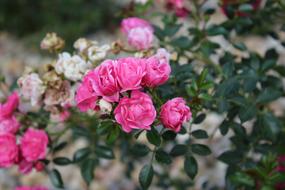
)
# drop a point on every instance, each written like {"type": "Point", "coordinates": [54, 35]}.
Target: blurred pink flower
{"type": "Point", "coordinates": [34, 144]}
{"type": "Point", "coordinates": [7, 109]}
{"type": "Point", "coordinates": [9, 125]}
{"type": "Point", "coordinates": [8, 150]}
{"type": "Point", "coordinates": [138, 31]}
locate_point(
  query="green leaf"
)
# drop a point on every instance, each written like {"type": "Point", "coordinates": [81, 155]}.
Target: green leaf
{"type": "Point", "coordinates": [273, 124]}
{"type": "Point", "coordinates": [224, 127]}
{"type": "Point", "coordinates": [145, 176]}
{"type": "Point", "coordinates": [241, 178]}
{"type": "Point", "coordinates": [87, 170]}
{"type": "Point", "coordinates": [247, 112]}
{"type": "Point", "coordinates": [163, 157]}
{"type": "Point", "coordinates": [169, 135]}
{"type": "Point", "coordinates": [81, 154]}
{"type": "Point", "coordinates": [230, 157]}
{"type": "Point", "coordinates": [241, 46]}
{"type": "Point", "coordinates": [216, 30]}
{"type": "Point", "coordinates": [190, 166]}
{"type": "Point", "coordinates": [182, 42]}
{"type": "Point", "coordinates": [140, 150]}
{"type": "Point", "coordinates": [55, 178]}
{"type": "Point", "coordinates": [268, 64]}
{"type": "Point", "coordinates": [81, 131]}
{"type": "Point", "coordinates": [245, 8]}
{"type": "Point", "coordinates": [104, 152]}
{"type": "Point", "coordinates": [113, 135]}
{"type": "Point", "coordinates": [178, 150]}
{"type": "Point", "coordinates": [172, 30]}
{"type": "Point", "coordinates": [62, 161]}
{"type": "Point", "coordinates": [200, 134]}
{"type": "Point", "coordinates": [200, 149]}
{"type": "Point", "coordinates": [200, 118]}
{"type": "Point", "coordinates": [59, 146]}
{"type": "Point", "coordinates": [202, 76]}
{"type": "Point", "coordinates": [153, 137]}
{"type": "Point", "coordinates": [268, 95]}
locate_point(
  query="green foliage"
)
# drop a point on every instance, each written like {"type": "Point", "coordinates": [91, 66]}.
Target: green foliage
{"type": "Point", "coordinates": [68, 18]}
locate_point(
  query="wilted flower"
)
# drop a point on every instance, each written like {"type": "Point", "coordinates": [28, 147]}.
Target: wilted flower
{"type": "Point", "coordinates": [58, 95]}
{"type": "Point", "coordinates": [81, 44]}
{"type": "Point", "coordinates": [52, 42]}
{"type": "Point", "coordinates": [31, 88]}
{"type": "Point", "coordinates": [97, 53]}
{"type": "Point", "coordinates": [73, 67]}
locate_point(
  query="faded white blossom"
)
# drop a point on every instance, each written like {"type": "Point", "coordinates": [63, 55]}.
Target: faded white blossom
{"type": "Point", "coordinates": [73, 67]}
{"type": "Point", "coordinates": [31, 88]}
{"type": "Point", "coordinates": [52, 42]}
{"type": "Point", "coordinates": [105, 107]}
{"type": "Point", "coordinates": [97, 53]}
{"type": "Point", "coordinates": [81, 44]}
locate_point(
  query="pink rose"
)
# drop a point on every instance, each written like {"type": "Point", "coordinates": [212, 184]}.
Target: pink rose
{"type": "Point", "coordinates": [7, 109]}
{"type": "Point", "coordinates": [34, 144]}
{"type": "Point", "coordinates": [174, 113]}
{"type": "Point", "coordinates": [85, 94]}
{"type": "Point", "coordinates": [134, 22]}
{"type": "Point", "coordinates": [104, 81]}
{"type": "Point", "coordinates": [138, 31]}
{"type": "Point", "coordinates": [140, 38]}
{"type": "Point", "coordinates": [158, 69]}
{"type": "Point", "coordinates": [130, 72]}
{"type": "Point", "coordinates": [9, 125]}
{"type": "Point", "coordinates": [136, 112]}
{"type": "Point", "coordinates": [8, 150]}
{"type": "Point", "coordinates": [31, 188]}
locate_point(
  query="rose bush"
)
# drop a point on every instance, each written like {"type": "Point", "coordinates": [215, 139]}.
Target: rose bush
{"type": "Point", "coordinates": [142, 100]}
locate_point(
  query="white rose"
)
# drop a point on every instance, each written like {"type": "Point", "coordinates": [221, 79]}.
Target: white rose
{"type": "Point", "coordinates": [31, 88]}
{"type": "Point", "coordinates": [73, 67]}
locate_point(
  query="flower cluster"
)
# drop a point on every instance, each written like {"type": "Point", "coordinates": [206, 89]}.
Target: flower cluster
{"type": "Point", "coordinates": [122, 81]}
{"type": "Point", "coordinates": [32, 145]}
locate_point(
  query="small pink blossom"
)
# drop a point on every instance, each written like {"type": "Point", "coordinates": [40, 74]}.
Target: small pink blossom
{"type": "Point", "coordinates": [85, 95]}
{"type": "Point", "coordinates": [134, 22]}
{"type": "Point", "coordinates": [130, 72]}
{"type": "Point", "coordinates": [140, 38]}
{"type": "Point", "coordinates": [136, 112]}
{"type": "Point", "coordinates": [104, 81]}
{"type": "Point", "coordinates": [8, 150]}
{"type": "Point", "coordinates": [174, 113]}
{"type": "Point", "coordinates": [158, 69]}
{"type": "Point", "coordinates": [139, 32]}
{"type": "Point", "coordinates": [34, 144]}
{"type": "Point", "coordinates": [7, 109]}
{"type": "Point", "coordinates": [9, 125]}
